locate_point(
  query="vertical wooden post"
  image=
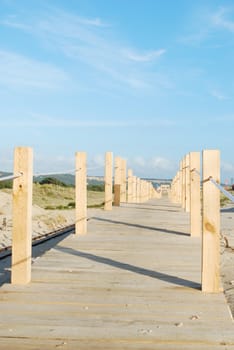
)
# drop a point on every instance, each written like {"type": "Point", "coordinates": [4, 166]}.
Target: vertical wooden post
{"type": "Point", "coordinates": [148, 191]}
{"type": "Point", "coordinates": [183, 183]}
{"type": "Point", "coordinates": [22, 216]}
{"type": "Point", "coordinates": [177, 187]}
{"type": "Point", "coordinates": [211, 223]}
{"type": "Point", "coordinates": [130, 186]}
{"type": "Point", "coordinates": [117, 181]}
{"type": "Point", "coordinates": [81, 194]}
{"type": "Point", "coordinates": [116, 195]}
{"type": "Point", "coordinates": [195, 196]}
{"type": "Point", "coordinates": [142, 191]}
{"type": "Point", "coordinates": [138, 190]}
{"type": "Point", "coordinates": [134, 189]}
{"type": "Point", "coordinates": [123, 181]}
{"type": "Point", "coordinates": [187, 183]}
{"type": "Point", "coordinates": [108, 181]}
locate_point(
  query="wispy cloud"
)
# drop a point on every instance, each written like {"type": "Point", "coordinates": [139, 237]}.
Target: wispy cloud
{"type": "Point", "coordinates": [220, 19]}
{"type": "Point", "coordinates": [96, 22]}
{"type": "Point", "coordinates": [158, 166]}
{"type": "Point", "coordinates": [89, 42]}
{"type": "Point", "coordinates": [19, 71]}
{"type": "Point", "coordinates": [161, 163]}
{"type": "Point", "coordinates": [12, 22]}
{"type": "Point", "coordinates": [143, 57]}
{"type": "Point", "coordinates": [218, 95]}
{"type": "Point", "coordinates": [206, 25]}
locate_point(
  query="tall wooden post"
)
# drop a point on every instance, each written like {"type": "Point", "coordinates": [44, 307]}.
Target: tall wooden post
{"type": "Point", "coordinates": [183, 183]}
{"type": "Point", "coordinates": [134, 189]}
{"type": "Point", "coordinates": [123, 194]}
{"type": "Point", "coordinates": [138, 190]}
{"type": "Point", "coordinates": [116, 195]}
{"type": "Point", "coordinates": [130, 186]}
{"type": "Point", "coordinates": [141, 191]}
{"type": "Point", "coordinates": [211, 223]}
{"type": "Point", "coordinates": [22, 216]}
{"type": "Point", "coordinates": [148, 191]}
{"type": "Point", "coordinates": [178, 187]}
{"type": "Point", "coordinates": [195, 195]}
{"type": "Point", "coordinates": [117, 181]}
{"type": "Point", "coordinates": [81, 194]}
{"type": "Point", "coordinates": [187, 183]}
{"type": "Point", "coordinates": [108, 181]}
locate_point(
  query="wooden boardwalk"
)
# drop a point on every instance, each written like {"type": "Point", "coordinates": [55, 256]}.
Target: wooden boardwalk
{"type": "Point", "coordinates": [133, 282]}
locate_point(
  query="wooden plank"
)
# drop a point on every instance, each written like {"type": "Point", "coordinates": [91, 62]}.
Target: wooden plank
{"type": "Point", "coordinates": [142, 274]}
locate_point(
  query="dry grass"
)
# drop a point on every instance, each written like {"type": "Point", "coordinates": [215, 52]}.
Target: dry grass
{"type": "Point", "coordinates": [224, 200]}
{"type": "Point", "coordinates": [51, 196]}
{"type": "Point", "coordinates": [57, 197]}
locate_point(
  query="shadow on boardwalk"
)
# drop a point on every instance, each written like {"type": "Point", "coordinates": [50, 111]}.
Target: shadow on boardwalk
{"type": "Point", "coordinates": [37, 250]}
{"type": "Point", "coordinates": [128, 267]}
{"type": "Point", "coordinates": [153, 209]}
{"type": "Point", "coordinates": [142, 226]}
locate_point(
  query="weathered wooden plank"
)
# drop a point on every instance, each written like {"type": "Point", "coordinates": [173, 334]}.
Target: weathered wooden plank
{"type": "Point", "coordinates": [132, 283]}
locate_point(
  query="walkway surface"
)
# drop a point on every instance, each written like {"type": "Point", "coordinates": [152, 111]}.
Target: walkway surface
{"type": "Point", "coordinates": [133, 282]}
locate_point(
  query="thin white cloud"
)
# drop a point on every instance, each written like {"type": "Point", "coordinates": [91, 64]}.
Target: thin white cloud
{"type": "Point", "coordinates": [218, 95]}
{"type": "Point", "coordinates": [12, 23]}
{"type": "Point", "coordinates": [90, 42]}
{"type": "Point", "coordinates": [158, 166]}
{"type": "Point", "coordinates": [96, 22]}
{"type": "Point", "coordinates": [161, 163]}
{"type": "Point", "coordinates": [19, 71]}
{"type": "Point", "coordinates": [220, 19]}
{"type": "Point", "coordinates": [206, 24]}
{"type": "Point", "coordinates": [143, 57]}
{"type": "Point", "coordinates": [194, 38]}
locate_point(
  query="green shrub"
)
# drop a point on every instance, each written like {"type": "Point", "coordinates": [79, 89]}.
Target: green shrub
{"type": "Point", "coordinates": [6, 184]}
{"type": "Point", "coordinates": [97, 188]}
{"type": "Point", "coordinates": [71, 205]}
{"type": "Point", "coordinates": [53, 181]}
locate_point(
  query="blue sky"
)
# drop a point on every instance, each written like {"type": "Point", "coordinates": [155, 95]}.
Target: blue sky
{"type": "Point", "coordinates": [149, 80]}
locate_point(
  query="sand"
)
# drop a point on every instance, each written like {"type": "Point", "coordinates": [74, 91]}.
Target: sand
{"type": "Point", "coordinates": [44, 221]}
{"type": "Point", "coordinates": [227, 253]}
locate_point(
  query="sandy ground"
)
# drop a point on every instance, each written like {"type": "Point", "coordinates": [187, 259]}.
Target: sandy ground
{"type": "Point", "coordinates": [227, 253]}
{"type": "Point", "coordinates": [45, 221]}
